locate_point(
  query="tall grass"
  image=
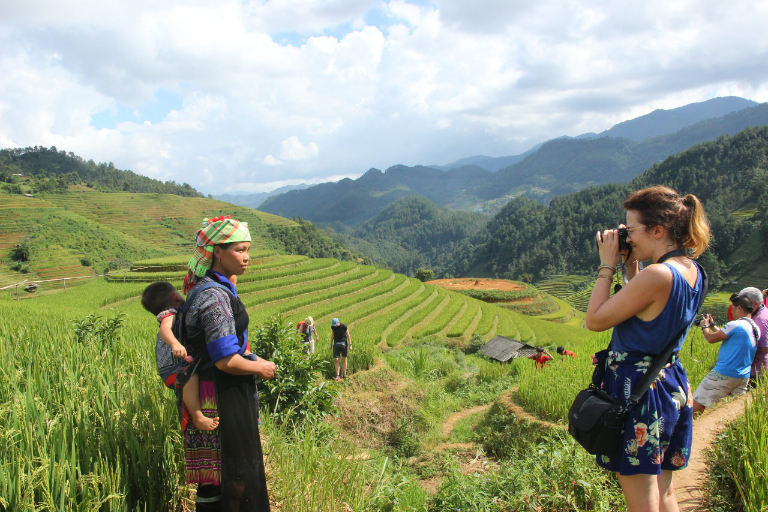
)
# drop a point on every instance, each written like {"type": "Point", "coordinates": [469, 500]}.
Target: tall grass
{"type": "Point", "coordinates": [739, 466]}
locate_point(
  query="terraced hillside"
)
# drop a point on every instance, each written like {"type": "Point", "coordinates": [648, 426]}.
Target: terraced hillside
{"type": "Point", "coordinates": [380, 307]}
{"type": "Point", "coordinates": [82, 233]}
{"type": "Point", "coordinates": [165, 219]}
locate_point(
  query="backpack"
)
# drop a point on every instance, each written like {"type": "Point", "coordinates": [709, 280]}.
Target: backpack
{"type": "Point", "coordinates": [301, 327]}
{"type": "Point", "coordinates": [178, 330]}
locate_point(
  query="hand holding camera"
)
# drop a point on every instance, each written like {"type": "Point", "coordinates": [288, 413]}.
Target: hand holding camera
{"type": "Point", "coordinates": [612, 245]}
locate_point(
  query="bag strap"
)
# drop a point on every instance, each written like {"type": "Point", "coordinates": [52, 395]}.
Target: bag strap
{"type": "Point", "coordinates": [661, 360]}
{"type": "Point", "coordinates": [754, 328]}
{"type": "Point", "coordinates": [195, 291]}
{"type": "Point", "coordinates": [190, 299]}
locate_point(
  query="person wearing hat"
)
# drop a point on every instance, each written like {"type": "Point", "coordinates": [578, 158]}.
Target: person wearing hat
{"type": "Point", "coordinates": [341, 344]}
{"type": "Point", "coordinates": [310, 334]}
{"type": "Point", "coordinates": [760, 317]}
{"type": "Point", "coordinates": [730, 375]}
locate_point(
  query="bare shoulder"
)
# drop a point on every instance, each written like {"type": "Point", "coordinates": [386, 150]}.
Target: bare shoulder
{"type": "Point", "coordinates": [655, 274]}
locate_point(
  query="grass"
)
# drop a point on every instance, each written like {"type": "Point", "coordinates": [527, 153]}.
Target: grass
{"type": "Point", "coordinates": [738, 468]}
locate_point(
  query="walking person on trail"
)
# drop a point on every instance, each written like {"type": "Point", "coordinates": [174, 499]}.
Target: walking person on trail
{"type": "Point", "coordinates": [227, 464]}
{"type": "Point", "coordinates": [309, 333]}
{"type": "Point", "coordinates": [656, 303]}
{"type": "Point", "coordinates": [730, 377]}
{"type": "Point", "coordinates": [341, 344]}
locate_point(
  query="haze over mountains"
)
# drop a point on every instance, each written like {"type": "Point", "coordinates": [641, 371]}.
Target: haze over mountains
{"type": "Point", "coordinates": [255, 200]}
{"type": "Point", "coordinates": [658, 122]}
{"type": "Point", "coordinates": [556, 167]}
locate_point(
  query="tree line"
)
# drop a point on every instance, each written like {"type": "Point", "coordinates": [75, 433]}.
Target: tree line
{"type": "Point", "coordinates": [728, 174]}
{"type": "Point", "coordinates": [49, 170]}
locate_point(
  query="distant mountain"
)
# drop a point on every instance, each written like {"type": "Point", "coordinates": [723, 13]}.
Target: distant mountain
{"type": "Point", "coordinates": [565, 165]}
{"type": "Point", "coordinates": [658, 122]}
{"type": "Point", "coordinates": [559, 167]}
{"type": "Point", "coordinates": [255, 200]}
{"type": "Point", "coordinates": [349, 203]}
{"type": "Point", "coordinates": [662, 122]}
{"type": "Point", "coordinates": [412, 232]}
{"type": "Point", "coordinates": [729, 175]}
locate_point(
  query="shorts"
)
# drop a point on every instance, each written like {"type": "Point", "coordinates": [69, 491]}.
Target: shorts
{"type": "Point", "coordinates": [659, 429]}
{"type": "Point", "coordinates": [340, 350]}
{"type": "Point", "coordinates": [716, 386]}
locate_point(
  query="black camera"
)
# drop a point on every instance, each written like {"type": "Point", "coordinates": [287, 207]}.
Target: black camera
{"type": "Point", "coordinates": [623, 244]}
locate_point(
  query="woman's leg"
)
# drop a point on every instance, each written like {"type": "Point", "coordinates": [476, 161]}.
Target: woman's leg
{"type": "Point", "coordinates": [649, 493]}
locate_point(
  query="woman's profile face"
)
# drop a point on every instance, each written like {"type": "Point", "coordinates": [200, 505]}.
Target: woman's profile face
{"type": "Point", "coordinates": [638, 237]}
{"type": "Point", "coordinates": [234, 260]}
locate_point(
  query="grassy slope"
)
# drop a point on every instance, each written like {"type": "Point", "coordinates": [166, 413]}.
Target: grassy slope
{"type": "Point", "coordinates": [77, 234]}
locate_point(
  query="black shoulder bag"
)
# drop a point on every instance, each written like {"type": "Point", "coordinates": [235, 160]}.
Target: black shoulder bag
{"type": "Point", "coordinates": [596, 419]}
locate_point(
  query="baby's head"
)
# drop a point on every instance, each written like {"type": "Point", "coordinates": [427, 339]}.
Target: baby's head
{"type": "Point", "coordinates": [160, 296]}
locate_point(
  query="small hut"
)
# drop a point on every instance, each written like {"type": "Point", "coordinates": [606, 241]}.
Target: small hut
{"type": "Point", "coordinates": [505, 349]}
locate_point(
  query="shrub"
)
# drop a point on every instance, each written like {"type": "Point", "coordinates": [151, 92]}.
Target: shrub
{"type": "Point", "coordinates": [22, 252]}
{"type": "Point", "coordinates": [297, 393]}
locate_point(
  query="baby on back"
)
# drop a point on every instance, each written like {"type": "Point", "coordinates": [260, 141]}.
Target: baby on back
{"type": "Point", "coordinates": [164, 301]}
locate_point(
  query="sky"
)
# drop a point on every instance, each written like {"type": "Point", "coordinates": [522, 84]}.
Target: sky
{"type": "Point", "coordinates": [248, 96]}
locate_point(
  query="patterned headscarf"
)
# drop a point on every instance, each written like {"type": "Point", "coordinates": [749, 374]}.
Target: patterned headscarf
{"type": "Point", "coordinates": [218, 230]}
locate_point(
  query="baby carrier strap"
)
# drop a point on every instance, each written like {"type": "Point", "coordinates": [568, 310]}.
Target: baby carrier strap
{"type": "Point", "coordinates": [179, 327]}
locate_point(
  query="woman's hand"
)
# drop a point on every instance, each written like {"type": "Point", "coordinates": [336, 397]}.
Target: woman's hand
{"type": "Point", "coordinates": [266, 369]}
{"type": "Point", "coordinates": [608, 246]}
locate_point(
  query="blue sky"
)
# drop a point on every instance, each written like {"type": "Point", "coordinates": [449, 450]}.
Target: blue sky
{"type": "Point", "coordinates": [251, 95]}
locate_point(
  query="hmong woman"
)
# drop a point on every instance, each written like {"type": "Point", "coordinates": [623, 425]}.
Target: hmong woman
{"type": "Point", "coordinates": [227, 463]}
{"type": "Point", "coordinates": [654, 305]}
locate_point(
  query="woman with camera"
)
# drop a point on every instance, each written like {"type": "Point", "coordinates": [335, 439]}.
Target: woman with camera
{"type": "Point", "coordinates": [655, 303]}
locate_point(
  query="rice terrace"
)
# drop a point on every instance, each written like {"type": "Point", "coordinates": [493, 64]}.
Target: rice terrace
{"type": "Point", "coordinates": [422, 423]}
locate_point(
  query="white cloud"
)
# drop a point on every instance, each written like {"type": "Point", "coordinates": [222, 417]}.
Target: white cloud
{"type": "Point", "coordinates": [427, 84]}
{"type": "Point", "coordinates": [271, 161]}
{"type": "Point", "coordinates": [293, 149]}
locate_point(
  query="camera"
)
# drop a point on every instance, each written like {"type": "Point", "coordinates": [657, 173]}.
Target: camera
{"type": "Point", "coordinates": [623, 244]}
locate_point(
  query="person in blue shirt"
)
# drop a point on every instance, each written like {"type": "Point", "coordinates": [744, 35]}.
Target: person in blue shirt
{"type": "Point", "coordinates": [730, 377]}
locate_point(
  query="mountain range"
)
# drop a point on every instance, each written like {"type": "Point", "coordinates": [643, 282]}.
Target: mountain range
{"type": "Point", "coordinates": [557, 167]}
{"type": "Point", "coordinates": [255, 200]}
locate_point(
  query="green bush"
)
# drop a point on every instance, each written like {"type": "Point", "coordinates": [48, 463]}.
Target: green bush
{"type": "Point", "coordinates": [298, 392]}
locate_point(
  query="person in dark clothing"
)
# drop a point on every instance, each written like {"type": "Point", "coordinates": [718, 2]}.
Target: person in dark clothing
{"type": "Point", "coordinates": [227, 463]}
{"type": "Point", "coordinates": [341, 344]}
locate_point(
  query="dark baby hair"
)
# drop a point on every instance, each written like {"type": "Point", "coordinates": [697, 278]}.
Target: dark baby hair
{"type": "Point", "coordinates": [157, 297]}
{"type": "Point", "coordinates": [560, 350]}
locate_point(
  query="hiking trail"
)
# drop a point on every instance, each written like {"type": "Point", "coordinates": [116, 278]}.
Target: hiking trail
{"type": "Point", "coordinates": [689, 483]}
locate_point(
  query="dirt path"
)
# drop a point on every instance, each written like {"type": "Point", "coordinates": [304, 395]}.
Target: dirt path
{"type": "Point", "coordinates": [518, 411]}
{"type": "Point", "coordinates": [689, 482]}
{"type": "Point", "coordinates": [455, 418]}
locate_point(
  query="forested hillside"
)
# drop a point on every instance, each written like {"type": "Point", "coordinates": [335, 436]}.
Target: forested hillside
{"type": "Point", "coordinates": [412, 232]}
{"type": "Point", "coordinates": [558, 167]}
{"type": "Point", "coordinates": [349, 203]}
{"type": "Point", "coordinates": [48, 170]}
{"type": "Point", "coordinates": [566, 165]}
{"type": "Point", "coordinates": [728, 175]}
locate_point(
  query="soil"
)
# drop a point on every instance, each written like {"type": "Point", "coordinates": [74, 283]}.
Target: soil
{"type": "Point", "coordinates": [501, 285]}
{"type": "Point", "coordinates": [455, 418]}
{"type": "Point", "coordinates": [689, 483]}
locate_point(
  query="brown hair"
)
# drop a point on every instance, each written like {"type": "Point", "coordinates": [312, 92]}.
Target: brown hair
{"type": "Point", "coordinates": [682, 217]}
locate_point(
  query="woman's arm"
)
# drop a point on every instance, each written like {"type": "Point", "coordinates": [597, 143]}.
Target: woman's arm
{"type": "Point", "coordinates": [237, 365]}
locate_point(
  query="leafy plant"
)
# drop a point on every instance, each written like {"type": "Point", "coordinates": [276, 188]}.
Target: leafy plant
{"type": "Point", "coordinates": [297, 393]}
{"type": "Point", "coordinates": [102, 331]}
